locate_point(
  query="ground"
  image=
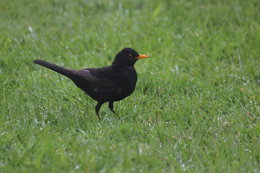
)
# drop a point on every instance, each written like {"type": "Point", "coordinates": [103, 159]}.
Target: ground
{"type": "Point", "coordinates": [195, 107]}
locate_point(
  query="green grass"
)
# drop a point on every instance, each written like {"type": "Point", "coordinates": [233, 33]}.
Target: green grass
{"type": "Point", "coordinates": [195, 108]}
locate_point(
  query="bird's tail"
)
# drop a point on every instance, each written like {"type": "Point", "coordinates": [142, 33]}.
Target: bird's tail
{"type": "Point", "coordinates": [59, 69]}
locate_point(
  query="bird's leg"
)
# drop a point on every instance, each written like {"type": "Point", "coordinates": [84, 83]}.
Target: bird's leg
{"type": "Point", "coordinates": [97, 108]}
{"type": "Point", "coordinates": [111, 106]}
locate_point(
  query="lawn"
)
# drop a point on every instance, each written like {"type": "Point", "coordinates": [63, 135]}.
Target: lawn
{"type": "Point", "coordinates": [196, 103]}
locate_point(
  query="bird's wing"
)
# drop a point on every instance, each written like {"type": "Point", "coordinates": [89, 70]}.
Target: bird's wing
{"type": "Point", "coordinates": [101, 81]}
{"type": "Point", "coordinates": [85, 74]}
{"type": "Point", "coordinates": [95, 79]}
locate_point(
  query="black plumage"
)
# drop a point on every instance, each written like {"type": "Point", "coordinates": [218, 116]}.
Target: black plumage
{"type": "Point", "coordinates": [108, 84]}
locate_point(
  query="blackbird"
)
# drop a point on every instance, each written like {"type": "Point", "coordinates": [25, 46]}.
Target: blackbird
{"type": "Point", "coordinates": [108, 84]}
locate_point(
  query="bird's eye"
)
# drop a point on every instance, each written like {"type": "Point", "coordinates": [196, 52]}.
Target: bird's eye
{"type": "Point", "coordinates": [130, 56]}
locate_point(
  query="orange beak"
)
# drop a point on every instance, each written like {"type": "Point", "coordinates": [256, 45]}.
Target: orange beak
{"type": "Point", "coordinates": [141, 56]}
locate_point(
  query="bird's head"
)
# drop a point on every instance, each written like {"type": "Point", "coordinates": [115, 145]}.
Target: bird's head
{"type": "Point", "coordinates": [127, 57]}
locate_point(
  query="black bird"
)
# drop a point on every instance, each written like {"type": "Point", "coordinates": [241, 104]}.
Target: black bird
{"type": "Point", "coordinates": [108, 84]}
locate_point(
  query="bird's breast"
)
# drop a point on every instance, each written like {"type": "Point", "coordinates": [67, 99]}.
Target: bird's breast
{"type": "Point", "coordinates": [130, 79]}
